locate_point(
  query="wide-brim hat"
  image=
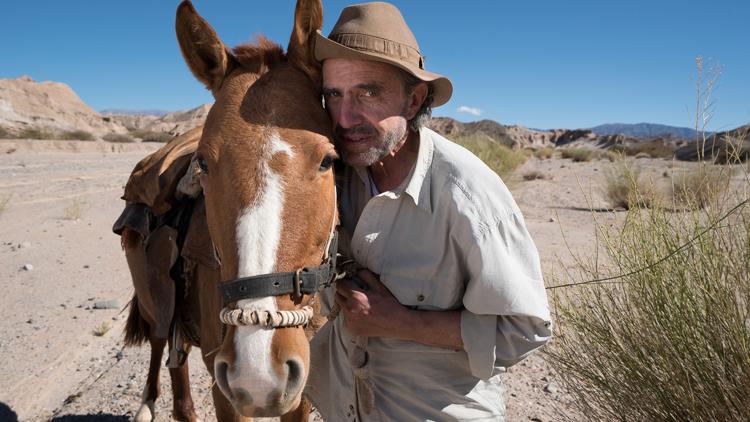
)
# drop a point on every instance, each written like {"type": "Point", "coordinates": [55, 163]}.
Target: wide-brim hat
{"type": "Point", "coordinates": [377, 31]}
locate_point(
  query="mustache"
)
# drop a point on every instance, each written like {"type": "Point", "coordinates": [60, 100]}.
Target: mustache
{"type": "Point", "coordinates": [366, 130]}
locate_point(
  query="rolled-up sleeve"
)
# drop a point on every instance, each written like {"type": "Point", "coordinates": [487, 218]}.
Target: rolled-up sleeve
{"type": "Point", "coordinates": [506, 313]}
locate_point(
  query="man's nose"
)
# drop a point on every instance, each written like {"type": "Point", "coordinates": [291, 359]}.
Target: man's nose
{"type": "Point", "coordinates": [350, 114]}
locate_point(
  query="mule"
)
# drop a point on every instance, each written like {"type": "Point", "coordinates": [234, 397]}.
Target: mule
{"type": "Point", "coordinates": [265, 161]}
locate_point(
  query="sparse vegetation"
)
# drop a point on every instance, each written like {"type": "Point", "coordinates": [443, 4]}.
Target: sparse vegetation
{"type": "Point", "coordinates": [544, 153]}
{"type": "Point", "coordinates": [534, 175]}
{"type": "Point", "coordinates": [76, 135]}
{"type": "Point", "coordinates": [5, 134]}
{"type": "Point", "coordinates": [118, 138]}
{"type": "Point", "coordinates": [149, 136]}
{"type": "Point", "coordinates": [578, 154]}
{"type": "Point", "coordinates": [36, 133]}
{"type": "Point", "coordinates": [625, 187]}
{"type": "Point", "coordinates": [102, 329]}
{"type": "Point", "coordinates": [74, 210]}
{"type": "Point", "coordinates": [501, 159]}
{"type": "Point", "coordinates": [4, 201]}
{"type": "Point", "coordinates": [702, 186]}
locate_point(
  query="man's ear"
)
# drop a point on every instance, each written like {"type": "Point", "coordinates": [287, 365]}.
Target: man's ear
{"type": "Point", "coordinates": [308, 18]}
{"type": "Point", "coordinates": [204, 53]}
{"type": "Point", "coordinates": [417, 98]}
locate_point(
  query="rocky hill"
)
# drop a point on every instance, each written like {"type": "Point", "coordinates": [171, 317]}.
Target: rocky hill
{"type": "Point", "coordinates": [175, 123]}
{"type": "Point", "coordinates": [721, 147]}
{"type": "Point", "coordinates": [645, 131]}
{"type": "Point", "coordinates": [26, 104]}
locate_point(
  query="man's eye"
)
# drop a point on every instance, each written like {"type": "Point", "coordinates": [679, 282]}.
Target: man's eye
{"type": "Point", "coordinates": [370, 93]}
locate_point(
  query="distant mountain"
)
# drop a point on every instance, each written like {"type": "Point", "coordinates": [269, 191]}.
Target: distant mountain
{"type": "Point", "coordinates": [129, 112]}
{"type": "Point", "coordinates": [722, 147]}
{"type": "Point", "coordinates": [645, 130]}
{"type": "Point", "coordinates": [27, 104]}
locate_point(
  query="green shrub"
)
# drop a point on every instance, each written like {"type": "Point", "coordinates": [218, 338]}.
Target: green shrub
{"type": "Point", "coordinates": [544, 153]}
{"type": "Point", "coordinates": [37, 133]}
{"type": "Point", "coordinates": [578, 154]}
{"type": "Point", "coordinates": [702, 186]}
{"type": "Point", "coordinates": [501, 159]}
{"type": "Point", "coordinates": [625, 187]}
{"type": "Point", "coordinates": [77, 135]}
{"type": "Point", "coordinates": [669, 340]}
{"type": "Point", "coordinates": [117, 137]}
{"type": "Point", "coordinates": [534, 175]}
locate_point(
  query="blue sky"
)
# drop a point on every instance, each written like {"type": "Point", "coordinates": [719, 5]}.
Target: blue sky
{"type": "Point", "coordinates": [543, 64]}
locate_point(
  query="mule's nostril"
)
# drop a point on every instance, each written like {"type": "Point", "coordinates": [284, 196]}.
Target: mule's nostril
{"type": "Point", "coordinates": [220, 373]}
{"type": "Point", "coordinates": [295, 378]}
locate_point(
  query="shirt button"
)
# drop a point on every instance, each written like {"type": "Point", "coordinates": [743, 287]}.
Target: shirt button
{"type": "Point", "coordinates": [420, 298]}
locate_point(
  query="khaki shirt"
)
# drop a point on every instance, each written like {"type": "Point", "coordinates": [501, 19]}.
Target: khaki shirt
{"type": "Point", "coordinates": [450, 238]}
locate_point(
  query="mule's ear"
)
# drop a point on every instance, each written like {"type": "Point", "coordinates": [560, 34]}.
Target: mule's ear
{"type": "Point", "coordinates": [308, 18]}
{"type": "Point", "coordinates": [205, 54]}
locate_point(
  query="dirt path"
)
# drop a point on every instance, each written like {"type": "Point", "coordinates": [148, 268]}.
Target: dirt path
{"type": "Point", "coordinates": [59, 258]}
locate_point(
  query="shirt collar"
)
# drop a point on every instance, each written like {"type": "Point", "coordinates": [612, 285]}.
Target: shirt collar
{"type": "Point", "coordinates": [418, 184]}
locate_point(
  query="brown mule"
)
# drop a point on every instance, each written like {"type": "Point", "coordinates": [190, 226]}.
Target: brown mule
{"type": "Point", "coordinates": [265, 157]}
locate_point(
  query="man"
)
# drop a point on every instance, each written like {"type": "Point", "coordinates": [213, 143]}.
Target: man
{"type": "Point", "coordinates": [451, 289]}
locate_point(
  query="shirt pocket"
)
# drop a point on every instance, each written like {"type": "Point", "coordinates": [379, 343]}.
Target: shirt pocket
{"type": "Point", "coordinates": [431, 294]}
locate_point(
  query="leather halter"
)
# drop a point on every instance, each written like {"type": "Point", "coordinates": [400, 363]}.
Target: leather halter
{"type": "Point", "coordinates": [306, 280]}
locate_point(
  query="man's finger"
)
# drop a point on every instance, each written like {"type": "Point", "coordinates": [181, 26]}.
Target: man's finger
{"type": "Point", "coordinates": [370, 280]}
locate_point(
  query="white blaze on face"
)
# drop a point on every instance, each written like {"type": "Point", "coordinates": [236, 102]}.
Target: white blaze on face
{"type": "Point", "coordinates": [258, 233]}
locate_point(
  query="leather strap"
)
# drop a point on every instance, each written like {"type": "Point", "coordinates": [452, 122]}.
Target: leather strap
{"type": "Point", "coordinates": [305, 281]}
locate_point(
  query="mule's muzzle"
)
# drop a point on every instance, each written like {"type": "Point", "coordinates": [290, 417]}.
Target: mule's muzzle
{"type": "Point", "coordinates": [280, 399]}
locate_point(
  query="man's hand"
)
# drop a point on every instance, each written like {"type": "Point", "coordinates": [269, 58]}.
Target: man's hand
{"type": "Point", "coordinates": [369, 309]}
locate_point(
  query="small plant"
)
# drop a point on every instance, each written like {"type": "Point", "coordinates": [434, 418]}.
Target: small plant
{"type": "Point", "coordinates": [5, 134]}
{"type": "Point", "coordinates": [544, 153]}
{"type": "Point", "coordinates": [74, 210]}
{"type": "Point", "coordinates": [118, 138]}
{"type": "Point", "coordinates": [102, 329]}
{"type": "Point", "coordinates": [501, 159]}
{"type": "Point", "coordinates": [534, 175]}
{"type": "Point", "coordinates": [625, 188]}
{"type": "Point", "coordinates": [150, 136]}
{"type": "Point", "coordinates": [578, 154]}
{"type": "Point", "coordinates": [703, 186]}
{"type": "Point", "coordinates": [76, 135]}
{"type": "Point", "coordinates": [4, 201]}
{"type": "Point", "coordinates": [37, 133]}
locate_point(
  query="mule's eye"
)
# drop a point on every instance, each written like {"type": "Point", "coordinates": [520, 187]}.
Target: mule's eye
{"type": "Point", "coordinates": [202, 165]}
{"type": "Point", "coordinates": [326, 163]}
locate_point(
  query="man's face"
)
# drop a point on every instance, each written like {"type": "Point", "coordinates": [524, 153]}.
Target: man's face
{"type": "Point", "coordinates": [369, 109]}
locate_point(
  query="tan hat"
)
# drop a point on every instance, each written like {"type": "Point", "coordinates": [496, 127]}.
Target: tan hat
{"type": "Point", "coordinates": [377, 31]}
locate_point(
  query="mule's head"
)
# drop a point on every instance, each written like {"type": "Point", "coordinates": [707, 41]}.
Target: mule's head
{"type": "Point", "coordinates": [266, 159]}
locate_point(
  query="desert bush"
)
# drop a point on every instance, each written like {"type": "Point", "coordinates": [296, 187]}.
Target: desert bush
{"type": "Point", "coordinates": [544, 153]}
{"type": "Point", "coordinates": [501, 159]}
{"type": "Point", "coordinates": [156, 137]}
{"type": "Point", "coordinates": [702, 186]}
{"type": "Point", "coordinates": [4, 201]}
{"type": "Point", "coordinates": [614, 155]}
{"type": "Point", "coordinates": [534, 175]}
{"type": "Point", "coordinates": [76, 135]}
{"type": "Point", "coordinates": [118, 138]}
{"type": "Point", "coordinates": [74, 210]}
{"type": "Point", "coordinates": [5, 134]}
{"type": "Point", "coordinates": [37, 133]}
{"type": "Point", "coordinates": [102, 329]}
{"type": "Point", "coordinates": [666, 338]}
{"type": "Point", "coordinates": [654, 148]}
{"type": "Point", "coordinates": [578, 154]}
{"type": "Point", "coordinates": [625, 187]}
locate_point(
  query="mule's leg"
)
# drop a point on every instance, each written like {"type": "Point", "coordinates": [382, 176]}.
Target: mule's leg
{"type": "Point", "coordinates": [300, 414]}
{"type": "Point", "coordinates": [151, 390]}
{"type": "Point", "coordinates": [183, 408]}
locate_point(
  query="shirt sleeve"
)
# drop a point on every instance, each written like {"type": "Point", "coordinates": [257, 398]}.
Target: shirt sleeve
{"type": "Point", "coordinates": [506, 313]}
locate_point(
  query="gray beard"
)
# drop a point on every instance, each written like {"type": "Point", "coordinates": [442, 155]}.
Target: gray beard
{"type": "Point", "coordinates": [379, 151]}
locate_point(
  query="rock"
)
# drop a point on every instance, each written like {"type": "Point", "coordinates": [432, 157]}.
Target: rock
{"type": "Point", "coordinates": [107, 304]}
{"type": "Point", "coordinates": [27, 267]}
{"type": "Point", "coordinates": [24, 245]}
{"type": "Point", "coordinates": [119, 355]}
{"type": "Point", "coordinates": [550, 388]}
{"type": "Point", "coordinates": [551, 220]}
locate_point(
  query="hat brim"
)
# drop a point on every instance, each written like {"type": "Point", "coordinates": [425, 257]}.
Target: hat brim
{"type": "Point", "coordinates": [325, 48]}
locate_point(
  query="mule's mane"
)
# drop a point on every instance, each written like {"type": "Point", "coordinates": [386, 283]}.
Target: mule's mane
{"type": "Point", "coordinates": [259, 57]}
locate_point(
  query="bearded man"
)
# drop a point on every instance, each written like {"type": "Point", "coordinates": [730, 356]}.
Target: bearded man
{"type": "Point", "coordinates": [450, 292]}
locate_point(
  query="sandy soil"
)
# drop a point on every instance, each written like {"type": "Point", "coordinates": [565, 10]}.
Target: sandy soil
{"type": "Point", "coordinates": [59, 258]}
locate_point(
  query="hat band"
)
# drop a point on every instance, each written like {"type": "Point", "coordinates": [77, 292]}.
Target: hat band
{"type": "Point", "coordinates": [371, 43]}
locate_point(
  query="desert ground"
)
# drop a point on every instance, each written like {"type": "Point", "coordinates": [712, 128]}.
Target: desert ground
{"type": "Point", "coordinates": [65, 282]}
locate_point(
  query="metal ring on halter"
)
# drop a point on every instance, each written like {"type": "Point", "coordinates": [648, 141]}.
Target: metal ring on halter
{"type": "Point", "coordinates": [297, 285]}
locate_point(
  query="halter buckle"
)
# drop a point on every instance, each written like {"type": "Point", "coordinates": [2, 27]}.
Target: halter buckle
{"type": "Point", "coordinates": [297, 284]}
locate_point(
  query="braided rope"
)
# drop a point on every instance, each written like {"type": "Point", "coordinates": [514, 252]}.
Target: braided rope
{"type": "Point", "coordinates": [265, 318]}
